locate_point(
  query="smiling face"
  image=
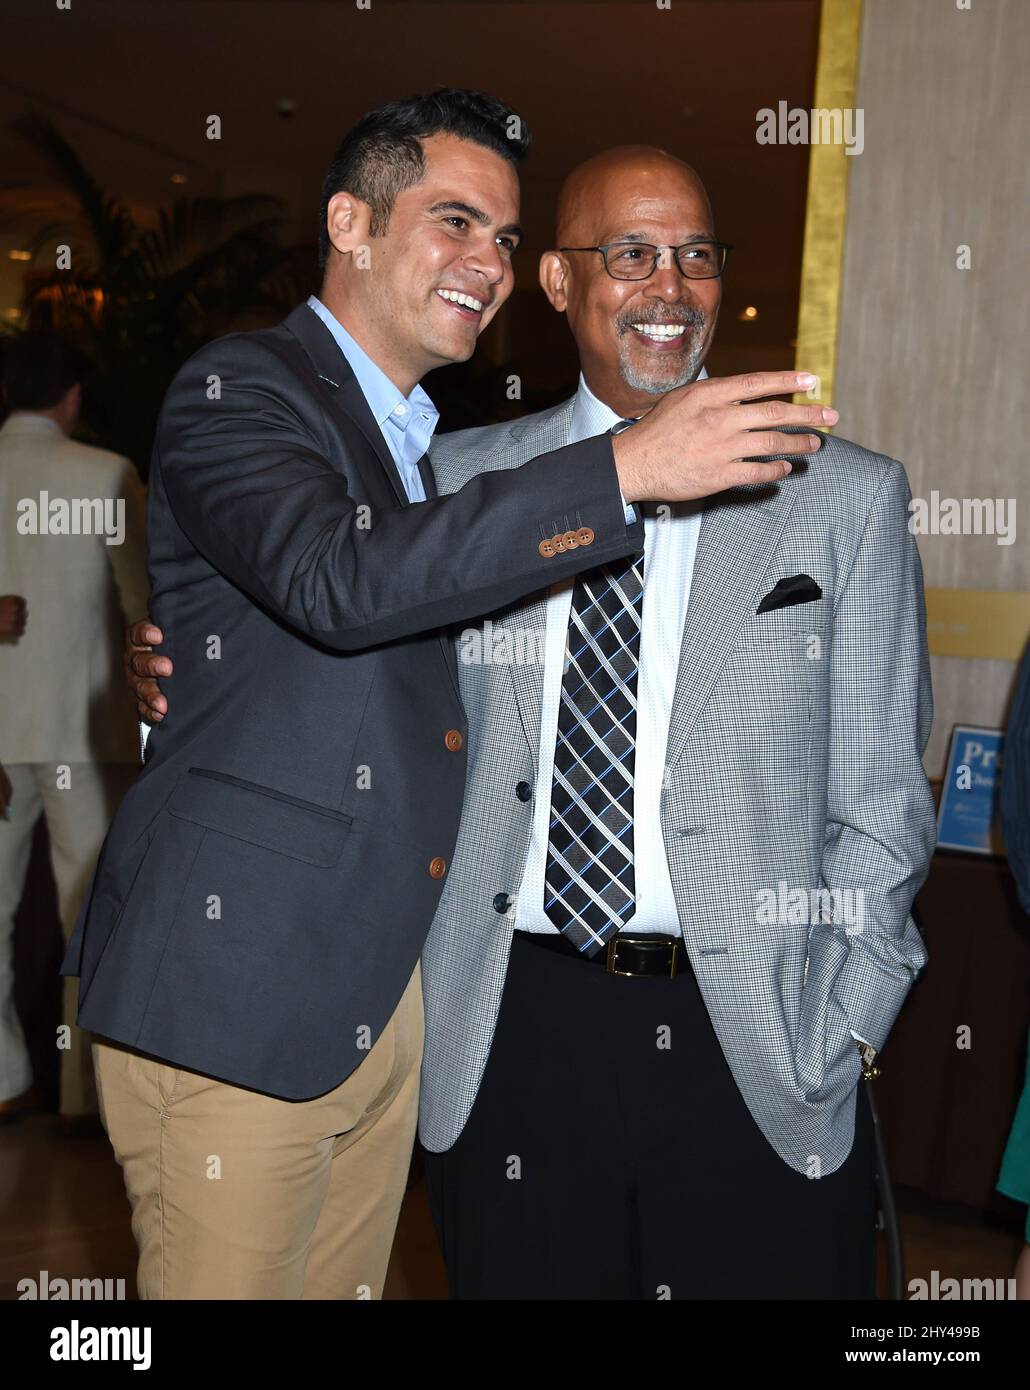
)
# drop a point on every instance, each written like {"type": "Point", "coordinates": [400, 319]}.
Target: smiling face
{"type": "Point", "coordinates": [637, 339]}
{"type": "Point", "coordinates": [419, 296]}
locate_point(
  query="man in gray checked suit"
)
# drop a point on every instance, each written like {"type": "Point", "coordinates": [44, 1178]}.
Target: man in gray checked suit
{"type": "Point", "coordinates": [592, 1133]}
{"type": "Point", "coordinates": [695, 817]}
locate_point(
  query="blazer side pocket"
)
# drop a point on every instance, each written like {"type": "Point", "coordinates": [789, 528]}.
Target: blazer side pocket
{"type": "Point", "coordinates": [261, 816]}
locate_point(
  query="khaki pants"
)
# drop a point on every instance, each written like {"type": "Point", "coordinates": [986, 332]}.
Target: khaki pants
{"type": "Point", "coordinates": [77, 816]}
{"type": "Point", "coordinates": [238, 1195]}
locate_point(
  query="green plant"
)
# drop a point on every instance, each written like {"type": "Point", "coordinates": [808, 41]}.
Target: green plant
{"type": "Point", "coordinates": [141, 298]}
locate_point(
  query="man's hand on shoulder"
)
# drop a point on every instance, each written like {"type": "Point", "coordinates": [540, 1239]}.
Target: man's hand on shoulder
{"type": "Point", "coordinates": [142, 668]}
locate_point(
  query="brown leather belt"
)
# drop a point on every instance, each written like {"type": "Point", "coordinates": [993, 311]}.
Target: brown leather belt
{"type": "Point", "coordinates": [625, 954]}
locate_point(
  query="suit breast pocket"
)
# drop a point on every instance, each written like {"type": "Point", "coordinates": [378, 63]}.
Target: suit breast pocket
{"type": "Point", "coordinates": [766, 706]}
{"type": "Point", "coordinates": [777, 670]}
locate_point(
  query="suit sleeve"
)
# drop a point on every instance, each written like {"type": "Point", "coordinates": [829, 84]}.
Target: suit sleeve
{"type": "Point", "coordinates": [129, 560]}
{"type": "Point", "coordinates": [881, 827]}
{"type": "Point", "coordinates": [250, 484]}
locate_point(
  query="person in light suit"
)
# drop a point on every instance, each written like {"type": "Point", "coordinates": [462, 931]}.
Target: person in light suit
{"type": "Point", "coordinates": [644, 1011]}
{"type": "Point", "coordinates": [73, 555]}
{"type": "Point", "coordinates": [640, 1082]}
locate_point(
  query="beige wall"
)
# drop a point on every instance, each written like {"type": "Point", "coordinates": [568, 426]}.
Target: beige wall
{"type": "Point", "coordinates": [932, 360]}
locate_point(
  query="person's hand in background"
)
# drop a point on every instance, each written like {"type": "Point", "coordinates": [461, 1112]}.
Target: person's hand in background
{"type": "Point", "coordinates": [143, 666]}
{"type": "Point", "coordinates": [13, 611]}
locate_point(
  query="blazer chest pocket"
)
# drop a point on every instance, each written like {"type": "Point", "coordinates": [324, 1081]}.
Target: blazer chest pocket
{"type": "Point", "coordinates": [791, 625]}
{"type": "Point", "coordinates": [261, 816]}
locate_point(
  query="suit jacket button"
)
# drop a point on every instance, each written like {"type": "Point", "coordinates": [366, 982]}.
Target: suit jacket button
{"type": "Point", "coordinates": [546, 549]}
{"type": "Point", "coordinates": [437, 868]}
{"type": "Point", "coordinates": [523, 791]}
{"type": "Point", "coordinates": [453, 740]}
{"type": "Point", "coordinates": [502, 903]}
{"type": "Point", "coordinates": [585, 536]}
{"type": "Point", "coordinates": [558, 542]}
{"type": "Point", "coordinates": [571, 540]}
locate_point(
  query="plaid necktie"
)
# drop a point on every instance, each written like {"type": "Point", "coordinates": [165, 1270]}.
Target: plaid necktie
{"type": "Point", "coordinates": [589, 886]}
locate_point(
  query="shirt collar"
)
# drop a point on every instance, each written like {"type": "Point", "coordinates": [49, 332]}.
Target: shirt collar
{"type": "Point", "coordinates": [591, 416]}
{"type": "Point", "coordinates": [385, 400]}
{"type": "Point", "coordinates": [30, 421]}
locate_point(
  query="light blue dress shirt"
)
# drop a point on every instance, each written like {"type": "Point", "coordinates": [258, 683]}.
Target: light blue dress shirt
{"type": "Point", "coordinates": [406, 422]}
{"type": "Point", "coordinates": [670, 544]}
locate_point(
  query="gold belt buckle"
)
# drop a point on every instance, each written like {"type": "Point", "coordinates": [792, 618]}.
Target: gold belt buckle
{"type": "Point", "coordinates": [610, 963]}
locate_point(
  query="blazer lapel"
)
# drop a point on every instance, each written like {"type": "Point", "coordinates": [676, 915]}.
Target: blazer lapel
{"type": "Point", "coordinates": [425, 469]}
{"type": "Point", "coordinates": [738, 534]}
{"type": "Point", "coordinates": [527, 629]}
{"type": "Point", "coordinates": [342, 394]}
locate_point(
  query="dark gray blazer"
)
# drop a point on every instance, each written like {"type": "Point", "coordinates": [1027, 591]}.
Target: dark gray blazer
{"type": "Point", "coordinates": [267, 885]}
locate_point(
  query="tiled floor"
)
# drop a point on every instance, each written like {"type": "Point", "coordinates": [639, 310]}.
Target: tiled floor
{"type": "Point", "coordinates": [63, 1209]}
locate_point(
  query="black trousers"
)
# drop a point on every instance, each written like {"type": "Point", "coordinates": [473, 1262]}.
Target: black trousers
{"type": "Point", "coordinates": [598, 1165]}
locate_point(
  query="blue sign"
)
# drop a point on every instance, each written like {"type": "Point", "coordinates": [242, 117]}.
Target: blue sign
{"type": "Point", "coordinates": [968, 814]}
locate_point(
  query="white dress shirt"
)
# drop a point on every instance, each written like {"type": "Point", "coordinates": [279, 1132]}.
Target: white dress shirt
{"type": "Point", "coordinates": [670, 546]}
{"type": "Point", "coordinates": [670, 543]}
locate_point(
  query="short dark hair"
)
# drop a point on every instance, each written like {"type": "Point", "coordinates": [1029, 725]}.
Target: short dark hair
{"type": "Point", "coordinates": [40, 367]}
{"type": "Point", "coordinates": [382, 155]}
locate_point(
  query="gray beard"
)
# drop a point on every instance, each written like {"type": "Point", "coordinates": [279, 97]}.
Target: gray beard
{"type": "Point", "coordinates": [658, 384]}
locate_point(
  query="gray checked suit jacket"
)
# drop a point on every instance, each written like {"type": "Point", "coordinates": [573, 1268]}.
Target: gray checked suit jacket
{"type": "Point", "coordinates": [793, 763]}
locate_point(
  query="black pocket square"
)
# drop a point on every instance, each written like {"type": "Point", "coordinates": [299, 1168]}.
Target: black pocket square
{"type": "Point", "coordinates": [799, 588]}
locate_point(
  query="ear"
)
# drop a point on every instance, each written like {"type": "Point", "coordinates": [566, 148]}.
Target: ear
{"type": "Point", "coordinates": [553, 277]}
{"type": "Point", "coordinates": [347, 221]}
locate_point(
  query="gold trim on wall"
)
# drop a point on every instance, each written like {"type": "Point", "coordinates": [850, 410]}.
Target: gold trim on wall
{"type": "Point", "coordinates": [990, 623]}
{"type": "Point", "coordinates": [836, 72]}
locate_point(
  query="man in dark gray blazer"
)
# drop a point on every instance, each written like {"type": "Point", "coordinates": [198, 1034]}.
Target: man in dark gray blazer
{"type": "Point", "coordinates": [249, 950]}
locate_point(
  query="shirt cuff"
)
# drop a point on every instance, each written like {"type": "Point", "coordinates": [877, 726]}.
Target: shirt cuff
{"type": "Point", "coordinates": [632, 510]}
{"type": "Point", "coordinates": [861, 1040]}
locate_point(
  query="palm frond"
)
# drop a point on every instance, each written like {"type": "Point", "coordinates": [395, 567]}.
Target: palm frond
{"type": "Point", "coordinates": [110, 223]}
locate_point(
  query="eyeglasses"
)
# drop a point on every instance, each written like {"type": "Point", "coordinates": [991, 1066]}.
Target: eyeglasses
{"type": "Point", "coordinates": [637, 260]}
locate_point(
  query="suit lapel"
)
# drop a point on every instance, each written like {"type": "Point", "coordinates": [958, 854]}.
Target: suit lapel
{"type": "Point", "coordinates": [350, 397]}
{"type": "Point", "coordinates": [340, 390]}
{"type": "Point", "coordinates": [527, 626]}
{"type": "Point", "coordinates": [425, 470]}
{"type": "Point", "coordinates": [344, 396]}
{"type": "Point", "coordinates": [738, 534]}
